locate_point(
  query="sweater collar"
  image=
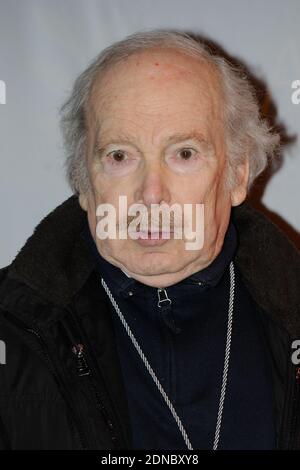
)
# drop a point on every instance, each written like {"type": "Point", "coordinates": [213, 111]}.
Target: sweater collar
{"type": "Point", "coordinates": [210, 276]}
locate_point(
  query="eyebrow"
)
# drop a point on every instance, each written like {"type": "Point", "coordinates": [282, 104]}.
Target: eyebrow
{"type": "Point", "coordinates": [127, 139]}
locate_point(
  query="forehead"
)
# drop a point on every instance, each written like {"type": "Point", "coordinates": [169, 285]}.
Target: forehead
{"type": "Point", "coordinates": [156, 88]}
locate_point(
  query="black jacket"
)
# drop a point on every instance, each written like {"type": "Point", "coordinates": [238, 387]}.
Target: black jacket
{"type": "Point", "coordinates": [57, 395]}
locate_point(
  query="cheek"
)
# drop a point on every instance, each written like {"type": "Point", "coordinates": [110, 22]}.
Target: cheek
{"type": "Point", "coordinates": [102, 190]}
{"type": "Point", "coordinates": [100, 185]}
{"type": "Point", "coordinates": [107, 188]}
{"type": "Point", "coordinates": [95, 198]}
{"type": "Point", "coordinates": [202, 188]}
{"type": "Point", "coordinates": [216, 200]}
{"type": "Point", "coordinates": [212, 185]}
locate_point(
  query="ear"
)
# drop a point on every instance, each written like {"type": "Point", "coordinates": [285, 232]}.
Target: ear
{"type": "Point", "coordinates": [83, 201]}
{"type": "Point", "coordinates": [239, 190]}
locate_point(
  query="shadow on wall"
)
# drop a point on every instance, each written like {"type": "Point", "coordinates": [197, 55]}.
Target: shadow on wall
{"type": "Point", "coordinates": [268, 112]}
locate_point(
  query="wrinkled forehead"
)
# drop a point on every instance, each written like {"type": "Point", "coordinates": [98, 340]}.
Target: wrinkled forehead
{"type": "Point", "coordinates": [156, 83]}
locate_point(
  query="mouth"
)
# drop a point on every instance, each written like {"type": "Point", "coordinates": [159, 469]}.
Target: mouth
{"type": "Point", "coordinates": [153, 238]}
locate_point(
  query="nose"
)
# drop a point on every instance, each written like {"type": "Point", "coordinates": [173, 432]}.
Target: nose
{"type": "Point", "coordinates": [153, 186]}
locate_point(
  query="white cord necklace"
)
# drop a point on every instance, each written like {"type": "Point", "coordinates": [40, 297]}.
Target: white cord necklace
{"type": "Point", "coordinates": [154, 377]}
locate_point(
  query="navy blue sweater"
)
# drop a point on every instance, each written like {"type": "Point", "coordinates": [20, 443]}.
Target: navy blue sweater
{"type": "Point", "coordinates": [184, 344]}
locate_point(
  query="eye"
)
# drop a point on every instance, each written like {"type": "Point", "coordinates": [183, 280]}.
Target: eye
{"type": "Point", "coordinates": [117, 156]}
{"type": "Point", "coordinates": [185, 159]}
{"type": "Point", "coordinates": [119, 161]}
{"type": "Point", "coordinates": [187, 153]}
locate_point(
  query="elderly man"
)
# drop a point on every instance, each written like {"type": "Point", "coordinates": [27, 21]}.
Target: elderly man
{"type": "Point", "coordinates": [138, 342]}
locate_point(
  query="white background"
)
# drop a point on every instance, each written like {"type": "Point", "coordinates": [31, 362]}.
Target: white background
{"type": "Point", "coordinates": [45, 44]}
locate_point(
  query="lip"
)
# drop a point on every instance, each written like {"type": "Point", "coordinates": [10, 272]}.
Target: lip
{"type": "Point", "coordinates": [153, 239]}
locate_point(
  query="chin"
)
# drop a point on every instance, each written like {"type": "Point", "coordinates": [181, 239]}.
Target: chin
{"type": "Point", "coordinates": [151, 263]}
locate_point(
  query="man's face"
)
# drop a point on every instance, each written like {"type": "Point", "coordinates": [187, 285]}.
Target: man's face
{"type": "Point", "coordinates": [156, 135]}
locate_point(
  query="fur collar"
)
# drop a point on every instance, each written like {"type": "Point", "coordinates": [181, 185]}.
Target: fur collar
{"type": "Point", "coordinates": [55, 261]}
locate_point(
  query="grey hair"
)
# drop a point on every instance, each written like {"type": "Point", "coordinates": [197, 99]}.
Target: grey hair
{"type": "Point", "coordinates": [247, 135]}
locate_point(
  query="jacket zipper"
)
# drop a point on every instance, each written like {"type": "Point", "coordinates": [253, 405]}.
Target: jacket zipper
{"type": "Point", "coordinates": [163, 298]}
{"type": "Point", "coordinates": [165, 304]}
{"type": "Point", "coordinates": [81, 435]}
{"type": "Point", "coordinates": [84, 369]}
{"type": "Point", "coordinates": [52, 369]}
